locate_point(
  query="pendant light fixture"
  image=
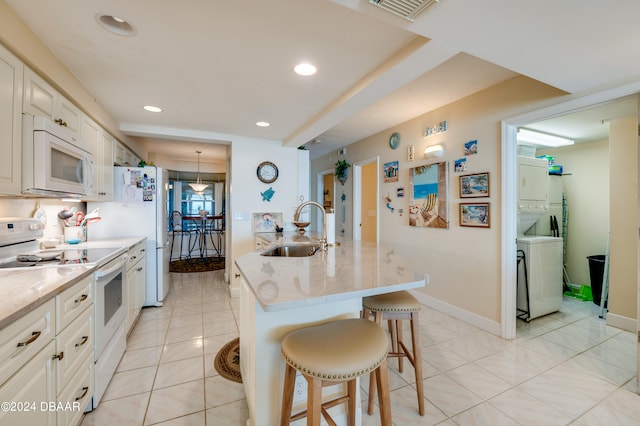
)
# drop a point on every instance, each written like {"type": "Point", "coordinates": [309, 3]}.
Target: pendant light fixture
{"type": "Point", "coordinates": [198, 187]}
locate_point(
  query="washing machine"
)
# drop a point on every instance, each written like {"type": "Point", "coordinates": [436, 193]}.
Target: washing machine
{"type": "Point", "coordinates": [542, 257]}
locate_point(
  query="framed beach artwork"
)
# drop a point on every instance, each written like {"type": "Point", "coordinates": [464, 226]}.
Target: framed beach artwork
{"type": "Point", "coordinates": [428, 189]}
{"type": "Point", "coordinates": [475, 185]}
{"type": "Point", "coordinates": [475, 214]}
{"type": "Point", "coordinates": [391, 172]}
{"type": "Point", "coordinates": [267, 222]}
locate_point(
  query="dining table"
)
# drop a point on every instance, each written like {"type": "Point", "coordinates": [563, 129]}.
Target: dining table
{"type": "Point", "coordinates": [203, 227]}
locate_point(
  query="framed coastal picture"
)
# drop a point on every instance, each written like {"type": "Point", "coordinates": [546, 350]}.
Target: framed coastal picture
{"type": "Point", "coordinates": [475, 214]}
{"type": "Point", "coordinates": [391, 172]}
{"type": "Point", "coordinates": [428, 202]}
{"type": "Point", "coordinates": [267, 221]}
{"type": "Point", "coordinates": [475, 185]}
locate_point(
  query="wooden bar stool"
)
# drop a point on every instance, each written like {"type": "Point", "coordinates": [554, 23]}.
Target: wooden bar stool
{"type": "Point", "coordinates": [396, 307]}
{"type": "Point", "coordinates": [333, 353]}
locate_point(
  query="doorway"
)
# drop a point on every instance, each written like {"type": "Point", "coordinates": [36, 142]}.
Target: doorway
{"type": "Point", "coordinates": [366, 203]}
{"type": "Point", "coordinates": [509, 190]}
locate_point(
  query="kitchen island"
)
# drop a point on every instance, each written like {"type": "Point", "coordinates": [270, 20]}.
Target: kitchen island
{"type": "Point", "coordinates": [281, 294]}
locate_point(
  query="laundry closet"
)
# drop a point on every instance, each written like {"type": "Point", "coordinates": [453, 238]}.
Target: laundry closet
{"type": "Point", "coordinates": [539, 239]}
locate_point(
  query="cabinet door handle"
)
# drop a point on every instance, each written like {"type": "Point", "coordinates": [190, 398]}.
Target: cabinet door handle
{"type": "Point", "coordinates": [32, 339]}
{"type": "Point", "coordinates": [58, 121]}
{"type": "Point", "coordinates": [59, 356]}
{"type": "Point", "coordinates": [139, 269]}
{"type": "Point", "coordinates": [81, 299]}
{"type": "Point", "coordinates": [84, 392]}
{"type": "Point", "coordinates": [84, 340]}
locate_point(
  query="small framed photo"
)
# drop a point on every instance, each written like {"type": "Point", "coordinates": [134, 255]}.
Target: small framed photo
{"type": "Point", "coordinates": [475, 185]}
{"type": "Point", "coordinates": [267, 221]}
{"type": "Point", "coordinates": [475, 214]}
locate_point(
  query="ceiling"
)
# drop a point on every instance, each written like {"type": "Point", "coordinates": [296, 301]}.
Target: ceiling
{"type": "Point", "coordinates": [217, 67]}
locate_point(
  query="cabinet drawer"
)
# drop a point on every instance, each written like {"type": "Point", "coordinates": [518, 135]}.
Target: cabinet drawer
{"type": "Point", "coordinates": [73, 345]}
{"type": "Point", "coordinates": [136, 253]}
{"type": "Point", "coordinates": [77, 395]}
{"type": "Point", "coordinates": [20, 341]}
{"type": "Point", "coordinates": [32, 385]}
{"type": "Point", "coordinates": [72, 302]}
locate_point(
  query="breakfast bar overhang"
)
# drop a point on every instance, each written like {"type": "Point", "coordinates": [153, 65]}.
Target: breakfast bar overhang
{"type": "Point", "coordinates": [281, 294]}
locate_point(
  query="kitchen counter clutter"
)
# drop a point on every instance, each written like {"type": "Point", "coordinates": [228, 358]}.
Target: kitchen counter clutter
{"type": "Point", "coordinates": [281, 294]}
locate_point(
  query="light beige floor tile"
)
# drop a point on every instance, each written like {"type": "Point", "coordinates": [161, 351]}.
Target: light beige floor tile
{"type": "Point", "coordinates": [190, 320]}
{"type": "Point", "coordinates": [220, 391]}
{"type": "Point", "coordinates": [124, 411]}
{"type": "Point", "coordinates": [180, 334]}
{"type": "Point", "coordinates": [568, 389]}
{"type": "Point", "coordinates": [175, 401]}
{"type": "Point", "coordinates": [213, 344]}
{"type": "Point", "coordinates": [484, 414]}
{"type": "Point", "coordinates": [139, 358]}
{"type": "Point", "coordinates": [126, 383]}
{"type": "Point", "coordinates": [595, 366]}
{"type": "Point", "coordinates": [145, 340]}
{"type": "Point", "coordinates": [620, 408]}
{"type": "Point", "coordinates": [526, 410]}
{"type": "Point", "coordinates": [182, 350]}
{"type": "Point", "coordinates": [195, 419]}
{"type": "Point", "coordinates": [233, 414]}
{"type": "Point", "coordinates": [478, 380]}
{"type": "Point", "coordinates": [176, 372]}
{"type": "Point", "coordinates": [449, 396]}
{"type": "Point", "coordinates": [217, 328]}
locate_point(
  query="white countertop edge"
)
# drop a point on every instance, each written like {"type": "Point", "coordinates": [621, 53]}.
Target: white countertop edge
{"type": "Point", "coordinates": [318, 300]}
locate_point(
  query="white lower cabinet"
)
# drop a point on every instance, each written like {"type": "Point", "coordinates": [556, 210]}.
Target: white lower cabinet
{"type": "Point", "coordinates": [136, 283]}
{"type": "Point", "coordinates": [46, 378]}
{"type": "Point", "coordinates": [26, 391]}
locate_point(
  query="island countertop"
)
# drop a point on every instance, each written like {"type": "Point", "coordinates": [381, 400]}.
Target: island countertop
{"type": "Point", "coordinates": [349, 270]}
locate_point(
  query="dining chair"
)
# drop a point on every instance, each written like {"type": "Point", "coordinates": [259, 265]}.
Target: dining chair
{"type": "Point", "coordinates": [178, 229]}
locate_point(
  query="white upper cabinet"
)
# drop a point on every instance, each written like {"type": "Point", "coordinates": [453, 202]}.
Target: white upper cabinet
{"type": "Point", "coordinates": [90, 135]}
{"type": "Point", "coordinates": [11, 71]}
{"type": "Point", "coordinates": [104, 169]}
{"type": "Point", "coordinates": [40, 98]}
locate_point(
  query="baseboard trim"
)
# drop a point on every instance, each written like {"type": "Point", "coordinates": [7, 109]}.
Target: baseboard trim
{"type": "Point", "coordinates": [624, 323]}
{"type": "Point", "coordinates": [476, 320]}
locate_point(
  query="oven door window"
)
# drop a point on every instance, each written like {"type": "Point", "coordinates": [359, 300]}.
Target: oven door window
{"type": "Point", "coordinates": [112, 297]}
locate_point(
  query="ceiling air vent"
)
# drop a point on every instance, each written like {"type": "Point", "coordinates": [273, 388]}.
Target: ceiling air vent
{"type": "Point", "coordinates": [408, 9]}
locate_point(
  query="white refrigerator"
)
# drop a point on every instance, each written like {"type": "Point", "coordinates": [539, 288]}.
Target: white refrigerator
{"type": "Point", "coordinates": [139, 209]}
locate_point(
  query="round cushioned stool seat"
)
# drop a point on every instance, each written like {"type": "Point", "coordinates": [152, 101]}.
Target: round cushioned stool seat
{"type": "Point", "coordinates": [338, 351]}
{"type": "Point", "coordinates": [400, 301]}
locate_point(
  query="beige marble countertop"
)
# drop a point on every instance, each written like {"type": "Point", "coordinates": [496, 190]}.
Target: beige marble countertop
{"type": "Point", "coordinates": [351, 269]}
{"type": "Point", "coordinates": [27, 288]}
{"type": "Point", "coordinates": [24, 289]}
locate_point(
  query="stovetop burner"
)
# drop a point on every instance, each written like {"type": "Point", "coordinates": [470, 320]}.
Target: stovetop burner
{"type": "Point", "coordinates": [58, 258]}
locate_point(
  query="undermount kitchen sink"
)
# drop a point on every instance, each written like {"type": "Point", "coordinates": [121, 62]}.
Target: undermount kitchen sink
{"type": "Point", "coordinates": [293, 250]}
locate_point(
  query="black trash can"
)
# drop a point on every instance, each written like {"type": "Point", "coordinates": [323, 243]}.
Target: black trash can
{"type": "Point", "coordinates": [596, 271]}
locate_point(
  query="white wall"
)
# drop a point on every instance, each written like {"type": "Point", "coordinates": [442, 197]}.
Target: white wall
{"type": "Point", "coordinates": [245, 189]}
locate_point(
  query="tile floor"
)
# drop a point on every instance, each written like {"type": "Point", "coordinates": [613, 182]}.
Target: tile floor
{"type": "Point", "coordinates": [565, 368]}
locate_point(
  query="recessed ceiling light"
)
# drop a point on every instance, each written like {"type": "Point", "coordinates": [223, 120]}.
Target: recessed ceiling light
{"type": "Point", "coordinates": [152, 108]}
{"type": "Point", "coordinates": [263, 124]}
{"type": "Point", "coordinates": [115, 24]}
{"type": "Point", "coordinates": [305, 69]}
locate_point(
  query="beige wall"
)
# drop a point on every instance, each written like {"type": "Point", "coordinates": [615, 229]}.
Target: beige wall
{"type": "Point", "coordinates": [623, 272]}
{"type": "Point", "coordinates": [586, 184]}
{"type": "Point", "coordinates": [463, 263]}
{"type": "Point", "coordinates": [23, 43]}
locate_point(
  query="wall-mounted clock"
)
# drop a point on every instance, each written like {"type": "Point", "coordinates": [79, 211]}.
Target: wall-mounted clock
{"type": "Point", "coordinates": [394, 140]}
{"type": "Point", "coordinates": [267, 172]}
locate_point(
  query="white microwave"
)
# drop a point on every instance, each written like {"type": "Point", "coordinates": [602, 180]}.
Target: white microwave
{"type": "Point", "coordinates": [53, 164]}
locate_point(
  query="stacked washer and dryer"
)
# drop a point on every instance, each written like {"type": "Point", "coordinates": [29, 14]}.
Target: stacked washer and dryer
{"type": "Point", "coordinates": [539, 240]}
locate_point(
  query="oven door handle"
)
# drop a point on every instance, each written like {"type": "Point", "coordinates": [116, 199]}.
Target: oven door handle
{"type": "Point", "coordinates": [104, 272]}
